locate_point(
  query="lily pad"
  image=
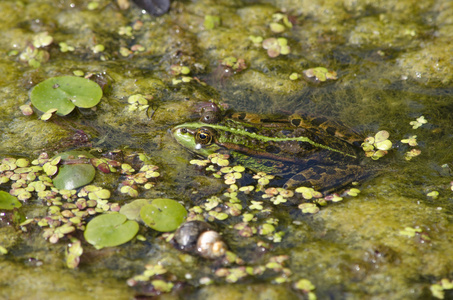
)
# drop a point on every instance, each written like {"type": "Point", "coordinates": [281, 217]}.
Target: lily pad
{"type": "Point", "coordinates": [110, 230]}
{"type": "Point", "coordinates": [65, 93]}
{"type": "Point", "coordinates": [73, 176]}
{"type": "Point", "coordinates": [163, 214]}
{"type": "Point", "coordinates": [8, 201]}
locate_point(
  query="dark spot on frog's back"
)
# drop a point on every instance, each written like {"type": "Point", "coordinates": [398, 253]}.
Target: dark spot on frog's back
{"type": "Point", "coordinates": [273, 149]}
{"type": "Point", "coordinates": [319, 120]}
{"type": "Point", "coordinates": [251, 129]}
{"type": "Point", "coordinates": [286, 132]}
{"type": "Point", "coordinates": [317, 172]}
{"type": "Point", "coordinates": [331, 130]}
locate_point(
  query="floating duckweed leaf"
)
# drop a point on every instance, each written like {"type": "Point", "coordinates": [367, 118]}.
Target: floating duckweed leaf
{"type": "Point", "coordinates": [418, 123]}
{"type": "Point", "coordinates": [50, 167]}
{"type": "Point", "coordinates": [48, 114]}
{"type": "Point", "coordinates": [8, 201]}
{"type": "Point", "coordinates": [219, 159]}
{"type": "Point", "coordinates": [275, 47]}
{"type": "Point", "coordinates": [137, 98]}
{"type": "Point", "coordinates": [308, 193]}
{"type": "Point", "coordinates": [284, 48]}
{"type": "Point", "coordinates": [163, 214]}
{"type": "Point", "coordinates": [73, 176]}
{"type": "Point", "coordinates": [110, 230]}
{"type": "Point", "coordinates": [210, 22]}
{"type": "Point", "coordinates": [256, 205]}
{"type": "Point", "coordinates": [410, 232]}
{"type": "Point", "coordinates": [132, 210]}
{"type": "Point", "coordinates": [334, 198]}
{"type": "Point", "coordinates": [308, 208]}
{"type": "Point", "coordinates": [138, 48]}
{"type": "Point", "coordinates": [256, 40]}
{"type": "Point", "coordinates": [437, 291]}
{"type": "Point", "coordinates": [93, 5]}
{"type": "Point", "coordinates": [353, 192]}
{"type": "Point", "coordinates": [178, 70]}
{"type": "Point", "coordinates": [22, 163]}
{"type": "Point", "coordinates": [73, 253]}
{"type": "Point", "coordinates": [384, 145]}
{"type": "Point", "coordinates": [186, 79]}
{"type": "Point", "coordinates": [247, 189]}
{"type": "Point", "coordinates": [162, 286]}
{"type": "Point", "coordinates": [263, 178]}
{"type": "Point", "coordinates": [272, 47]}
{"type": "Point", "coordinates": [64, 93]}
{"type": "Point", "coordinates": [276, 27]}
{"type": "Point", "coordinates": [379, 142]}
{"type": "Point", "coordinates": [238, 169]}
{"type": "Point", "coordinates": [98, 48]}
{"type": "Point", "coordinates": [320, 74]}
{"type": "Point", "coordinates": [26, 109]}
{"type": "Point", "coordinates": [412, 141]}
{"type": "Point", "coordinates": [381, 136]}
{"type": "Point", "coordinates": [78, 73]}
{"type": "Point", "coordinates": [125, 52]}
{"type": "Point", "coordinates": [266, 229]}
{"type": "Point", "coordinates": [65, 47]}
{"type": "Point", "coordinates": [433, 194]}
{"type": "Point", "coordinates": [42, 39]}
{"type": "Point", "coordinates": [411, 154]}
{"type": "Point", "coordinates": [294, 76]}
{"type": "Point", "coordinates": [125, 30]}
{"type": "Point", "coordinates": [304, 285]}
{"type": "Point", "coordinates": [446, 284]}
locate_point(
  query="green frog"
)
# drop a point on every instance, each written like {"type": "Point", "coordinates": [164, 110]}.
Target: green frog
{"type": "Point", "coordinates": [310, 151]}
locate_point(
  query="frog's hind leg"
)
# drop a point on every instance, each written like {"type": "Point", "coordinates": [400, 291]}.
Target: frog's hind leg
{"type": "Point", "coordinates": [327, 178]}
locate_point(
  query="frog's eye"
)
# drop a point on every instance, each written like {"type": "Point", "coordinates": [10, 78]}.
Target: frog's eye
{"type": "Point", "coordinates": [204, 136]}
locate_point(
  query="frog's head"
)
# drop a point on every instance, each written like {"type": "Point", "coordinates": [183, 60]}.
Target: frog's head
{"type": "Point", "coordinates": [196, 137]}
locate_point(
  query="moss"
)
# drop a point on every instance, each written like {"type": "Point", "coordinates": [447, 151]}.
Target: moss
{"type": "Point", "coordinates": [430, 65]}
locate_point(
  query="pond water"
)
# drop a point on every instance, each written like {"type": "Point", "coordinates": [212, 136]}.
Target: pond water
{"type": "Point", "coordinates": [394, 71]}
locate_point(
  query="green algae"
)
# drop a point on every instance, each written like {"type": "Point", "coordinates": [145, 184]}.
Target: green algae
{"type": "Point", "coordinates": [393, 60]}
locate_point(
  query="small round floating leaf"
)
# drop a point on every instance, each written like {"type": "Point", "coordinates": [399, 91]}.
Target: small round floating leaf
{"type": "Point", "coordinates": [110, 230]}
{"type": "Point", "coordinates": [163, 214]}
{"type": "Point", "coordinates": [381, 136]}
{"type": "Point", "coordinates": [64, 93]}
{"type": "Point", "coordinates": [73, 176]}
{"type": "Point", "coordinates": [384, 145]}
{"type": "Point", "coordinates": [8, 201]}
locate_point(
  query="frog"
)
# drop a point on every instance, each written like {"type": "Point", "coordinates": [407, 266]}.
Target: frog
{"type": "Point", "coordinates": [301, 150]}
